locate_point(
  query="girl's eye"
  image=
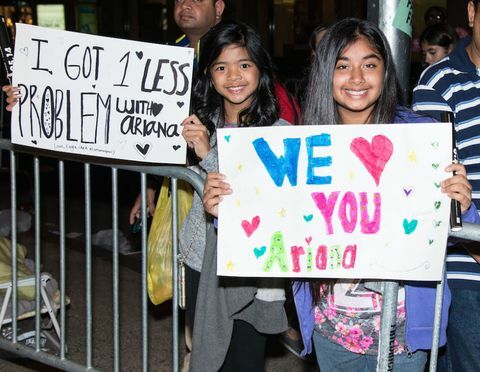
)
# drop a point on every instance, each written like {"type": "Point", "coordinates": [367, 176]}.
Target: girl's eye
{"type": "Point", "coordinates": [245, 65]}
{"type": "Point", "coordinates": [370, 65]}
{"type": "Point", "coordinates": [219, 68]}
{"type": "Point", "coordinates": [341, 67]}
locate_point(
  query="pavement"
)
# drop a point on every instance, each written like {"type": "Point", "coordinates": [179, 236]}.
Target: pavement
{"type": "Point", "coordinates": [159, 317]}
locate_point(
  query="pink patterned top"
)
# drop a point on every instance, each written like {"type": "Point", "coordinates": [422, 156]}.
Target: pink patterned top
{"type": "Point", "coordinates": [348, 314]}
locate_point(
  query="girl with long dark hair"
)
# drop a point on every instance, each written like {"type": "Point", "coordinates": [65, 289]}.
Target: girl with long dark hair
{"type": "Point", "coordinates": [353, 81]}
{"type": "Point", "coordinates": [234, 88]}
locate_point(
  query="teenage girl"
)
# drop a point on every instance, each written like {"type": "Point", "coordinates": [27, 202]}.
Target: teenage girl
{"type": "Point", "coordinates": [353, 81]}
{"type": "Point", "coordinates": [234, 88]}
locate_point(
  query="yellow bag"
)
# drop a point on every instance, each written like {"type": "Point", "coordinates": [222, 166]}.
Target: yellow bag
{"type": "Point", "coordinates": [159, 273]}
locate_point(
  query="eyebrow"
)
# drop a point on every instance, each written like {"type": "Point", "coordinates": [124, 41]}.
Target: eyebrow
{"type": "Point", "coordinates": [373, 55]}
{"type": "Point", "coordinates": [239, 61]}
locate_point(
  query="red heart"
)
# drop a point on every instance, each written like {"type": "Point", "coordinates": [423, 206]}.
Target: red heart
{"type": "Point", "coordinates": [250, 227]}
{"type": "Point", "coordinates": [308, 240]}
{"type": "Point", "coordinates": [374, 156]}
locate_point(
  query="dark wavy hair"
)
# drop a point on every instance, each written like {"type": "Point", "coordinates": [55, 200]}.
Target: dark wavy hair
{"type": "Point", "coordinates": [320, 106]}
{"type": "Point", "coordinates": [208, 104]}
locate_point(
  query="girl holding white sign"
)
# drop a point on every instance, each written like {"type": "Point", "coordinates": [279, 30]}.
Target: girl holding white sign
{"type": "Point", "coordinates": [234, 87]}
{"type": "Point", "coordinates": [353, 81]}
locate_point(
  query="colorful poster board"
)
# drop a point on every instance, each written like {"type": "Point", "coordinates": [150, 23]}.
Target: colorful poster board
{"type": "Point", "coordinates": [99, 96]}
{"type": "Point", "coordinates": [334, 201]}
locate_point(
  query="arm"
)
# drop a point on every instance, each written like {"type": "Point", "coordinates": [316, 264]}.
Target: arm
{"type": "Point", "coordinates": [427, 100]}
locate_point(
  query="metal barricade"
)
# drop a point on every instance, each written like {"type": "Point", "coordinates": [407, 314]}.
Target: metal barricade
{"type": "Point", "coordinates": [61, 360]}
{"type": "Point", "coordinates": [389, 289]}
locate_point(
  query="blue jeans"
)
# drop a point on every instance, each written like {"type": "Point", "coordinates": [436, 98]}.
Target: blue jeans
{"type": "Point", "coordinates": [332, 357]}
{"type": "Point", "coordinates": [463, 333]}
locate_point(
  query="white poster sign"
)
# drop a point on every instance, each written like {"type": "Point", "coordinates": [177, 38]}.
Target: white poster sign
{"type": "Point", "coordinates": [99, 96]}
{"type": "Point", "coordinates": [334, 201]}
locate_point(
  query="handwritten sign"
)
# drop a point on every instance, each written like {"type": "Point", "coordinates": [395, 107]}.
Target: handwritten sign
{"type": "Point", "coordinates": [335, 201]}
{"type": "Point", "coordinates": [99, 96]}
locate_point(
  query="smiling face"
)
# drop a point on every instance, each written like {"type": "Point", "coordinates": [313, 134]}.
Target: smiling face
{"type": "Point", "coordinates": [235, 77]}
{"type": "Point", "coordinates": [196, 17]}
{"type": "Point", "coordinates": [433, 53]}
{"type": "Point", "coordinates": [358, 81]}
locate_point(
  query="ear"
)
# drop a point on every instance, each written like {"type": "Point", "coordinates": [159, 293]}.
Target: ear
{"type": "Point", "coordinates": [450, 49]}
{"type": "Point", "coordinates": [219, 8]}
{"type": "Point", "coordinates": [471, 13]}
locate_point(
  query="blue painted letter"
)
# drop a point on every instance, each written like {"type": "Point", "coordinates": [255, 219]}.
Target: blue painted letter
{"type": "Point", "coordinates": [313, 162]}
{"type": "Point", "coordinates": [278, 167]}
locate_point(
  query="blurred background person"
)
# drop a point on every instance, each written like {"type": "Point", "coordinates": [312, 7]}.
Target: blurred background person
{"type": "Point", "coordinates": [437, 41]}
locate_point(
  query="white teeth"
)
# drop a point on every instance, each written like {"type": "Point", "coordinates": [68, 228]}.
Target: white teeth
{"type": "Point", "coordinates": [356, 92]}
{"type": "Point", "coordinates": [235, 89]}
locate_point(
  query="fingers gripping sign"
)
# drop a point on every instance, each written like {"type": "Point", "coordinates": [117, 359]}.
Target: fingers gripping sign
{"type": "Point", "coordinates": [196, 135]}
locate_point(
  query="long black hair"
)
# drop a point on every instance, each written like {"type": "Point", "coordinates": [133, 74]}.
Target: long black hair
{"type": "Point", "coordinates": [320, 106]}
{"type": "Point", "coordinates": [208, 104]}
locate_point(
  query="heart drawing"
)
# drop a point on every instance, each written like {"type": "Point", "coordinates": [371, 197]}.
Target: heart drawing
{"type": "Point", "coordinates": [407, 192]}
{"type": "Point", "coordinates": [143, 149]}
{"type": "Point", "coordinates": [24, 50]}
{"type": "Point", "coordinates": [409, 226]}
{"type": "Point", "coordinates": [259, 252]}
{"type": "Point", "coordinates": [156, 108]}
{"type": "Point", "coordinates": [250, 227]}
{"type": "Point", "coordinates": [308, 218]}
{"type": "Point", "coordinates": [373, 156]}
{"type": "Point", "coordinates": [139, 54]}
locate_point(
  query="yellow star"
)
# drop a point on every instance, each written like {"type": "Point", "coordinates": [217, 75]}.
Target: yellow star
{"type": "Point", "coordinates": [238, 203]}
{"type": "Point", "coordinates": [351, 175]}
{"type": "Point", "coordinates": [257, 191]}
{"type": "Point", "coordinates": [230, 265]}
{"type": "Point", "coordinates": [412, 156]}
{"type": "Point", "coordinates": [240, 167]}
{"type": "Point", "coordinates": [282, 212]}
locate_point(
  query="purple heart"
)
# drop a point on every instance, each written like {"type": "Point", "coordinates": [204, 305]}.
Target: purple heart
{"type": "Point", "coordinates": [407, 192]}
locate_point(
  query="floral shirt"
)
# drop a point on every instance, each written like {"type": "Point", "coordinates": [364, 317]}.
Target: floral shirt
{"type": "Point", "coordinates": [348, 314]}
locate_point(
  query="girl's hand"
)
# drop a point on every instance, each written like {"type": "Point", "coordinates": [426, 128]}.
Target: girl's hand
{"type": "Point", "coordinates": [137, 206]}
{"type": "Point", "coordinates": [215, 187]}
{"type": "Point", "coordinates": [457, 187]}
{"type": "Point", "coordinates": [13, 94]}
{"type": "Point", "coordinates": [196, 136]}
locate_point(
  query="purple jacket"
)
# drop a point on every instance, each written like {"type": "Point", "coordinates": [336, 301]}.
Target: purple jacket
{"type": "Point", "coordinates": [419, 296]}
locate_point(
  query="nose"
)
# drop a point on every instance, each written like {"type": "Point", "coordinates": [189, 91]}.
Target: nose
{"type": "Point", "coordinates": [234, 74]}
{"type": "Point", "coordinates": [186, 4]}
{"type": "Point", "coordinates": [356, 75]}
{"type": "Point", "coordinates": [429, 59]}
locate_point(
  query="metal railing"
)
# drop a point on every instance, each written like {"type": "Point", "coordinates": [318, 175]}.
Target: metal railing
{"type": "Point", "coordinates": [61, 361]}
{"type": "Point", "coordinates": [389, 289]}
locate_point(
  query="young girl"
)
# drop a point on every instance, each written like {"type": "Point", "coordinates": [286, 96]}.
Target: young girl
{"type": "Point", "coordinates": [353, 81]}
{"type": "Point", "coordinates": [436, 42]}
{"type": "Point", "coordinates": [235, 88]}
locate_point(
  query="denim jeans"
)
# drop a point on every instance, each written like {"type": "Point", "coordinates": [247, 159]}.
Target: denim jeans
{"type": "Point", "coordinates": [463, 333]}
{"type": "Point", "coordinates": [332, 357]}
